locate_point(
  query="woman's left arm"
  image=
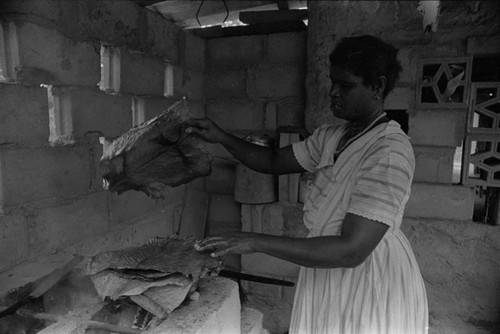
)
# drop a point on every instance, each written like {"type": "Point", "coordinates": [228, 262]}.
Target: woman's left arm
{"type": "Point", "coordinates": [358, 238]}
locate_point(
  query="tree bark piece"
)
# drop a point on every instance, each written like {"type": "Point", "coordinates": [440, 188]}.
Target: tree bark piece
{"type": "Point", "coordinates": [155, 155]}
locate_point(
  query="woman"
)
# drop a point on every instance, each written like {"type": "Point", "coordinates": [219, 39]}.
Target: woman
{"type": "Point", "coordinates": [358, 272]}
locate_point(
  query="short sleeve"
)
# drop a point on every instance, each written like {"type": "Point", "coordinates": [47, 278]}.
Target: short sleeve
{"type": "Point", "coordinates": [308, 152]}
{"type": "Point", "coordinates": [383, 182]}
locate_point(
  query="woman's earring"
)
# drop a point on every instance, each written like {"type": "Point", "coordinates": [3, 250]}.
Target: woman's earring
{"type": "Point", "coordinates": [377, 97]}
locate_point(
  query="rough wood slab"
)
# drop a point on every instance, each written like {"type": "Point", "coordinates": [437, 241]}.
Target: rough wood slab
{"type": "Point", "coordinates": [155, 155]}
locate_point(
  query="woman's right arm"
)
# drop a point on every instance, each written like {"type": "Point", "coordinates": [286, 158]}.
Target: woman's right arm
{"type": "Point", "coordinates": [259, 158]}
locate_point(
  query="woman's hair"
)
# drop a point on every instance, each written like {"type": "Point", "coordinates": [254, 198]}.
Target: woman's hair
{"type": "Point", "coordinates": [369, 58]}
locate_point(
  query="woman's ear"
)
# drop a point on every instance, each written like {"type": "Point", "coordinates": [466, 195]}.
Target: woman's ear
{"type": "Point", "coordinates": [379, 86]}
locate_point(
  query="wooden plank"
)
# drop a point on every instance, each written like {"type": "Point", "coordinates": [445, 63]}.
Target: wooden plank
{"type": "Point", "coordinates": [273, 16]}
{"type": "Point", "coordinates": [254, 29]}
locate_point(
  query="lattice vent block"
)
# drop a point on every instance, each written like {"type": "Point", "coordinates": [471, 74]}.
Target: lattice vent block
{"type": "Point", "coordinates": [443, 83]}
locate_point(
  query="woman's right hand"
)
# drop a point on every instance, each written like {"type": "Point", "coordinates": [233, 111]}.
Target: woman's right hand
{"type": "Point", "coordinates": [205, 128]}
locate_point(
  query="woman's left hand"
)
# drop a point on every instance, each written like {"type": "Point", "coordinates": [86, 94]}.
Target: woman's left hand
{"type": "Point", "coordinates": [228, 243]}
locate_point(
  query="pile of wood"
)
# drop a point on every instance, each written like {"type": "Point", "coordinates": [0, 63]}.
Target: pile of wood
{"type": "Point", "coordinates": [157, 276]}
{"type": "Point", "coordinates": [155, 155]}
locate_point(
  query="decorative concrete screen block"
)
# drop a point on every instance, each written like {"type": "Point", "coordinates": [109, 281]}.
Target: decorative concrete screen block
{"type": "Point", "coordinates": [443, 83]}
{"type": "Point", "coordinates": [110, 69]}
{"type": "Point", "coordinates": [482, 146]}
{"type": "Point", "coordinates": [449, 202]}
{"type": "Point", "coordinates": [60, 117]}
{"type": "Point", "coordinates": [9, 51]}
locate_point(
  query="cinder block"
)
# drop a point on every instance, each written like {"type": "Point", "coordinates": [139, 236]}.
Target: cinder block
{"type": "Point", "coordinates": [483, 45]}
{"type": "Point", "coordinates": [448, 202]}
{"type": "Point", "coordinates": [47, 57]}
{"type": "Point", "coordinates": [222, 178]}
{"type": "Point", "coordinates": [189, 83]}
{"type": "Point", "coordinates": [194, 213]}
{"type": "Point", "coordinates": [129, 207]}
{"type": "Point", "coordinates": [226, 84]}
{"type": "Point", "coordinates": [55, 228]}
{"type": "Point", "coordinates": [262, 264]}
{"type": "Point", "coordinates": [162, 37]}
{"type": "Point", "coordinates": [141, 74]}
{"type": "Point", "coordinates": [400, 98]}
{"type": "Point", "coordinates": [266, 292]}
{"type": "Point", "coordinates": [13, 241]}
{"type": "Point", "coordinates": [270, 116]}
{"type": "Point", "coordinates": [291, 112]}
{"type": "Point", "coordinates": [197, 109]}
{"type": "Point", "coordinates": [156, 224]}
{"type": "Point", "coordinates": [251, 321]}
{"type": "Point", "coordinates": [433, 164]}
{"type": "Point", "coordinates": [293, 221]}
{"type": "Point", "coordinates": [34, 174]}
{"type": "Point", "coordinates": [289, 47]}
{"type": "Point", "coordinates": [264, 218]}
{"type": "Point", "coordinates": [24, 114]}
{"type": "Point", "coordinates": [224, 208]}
{"type": "Point", "coordinates": [236, 115]}
{"type": "Point", "coordinates": [276, 82]}
{"type": "Point", "coordinates": [406, 57]}
{"type": "Point", "coordinates": [95, 111]}
{"type": "Point", "coordinates": [154, 105]}
{"type": "Point", "coordinates": [437, 127]}
{"type": "Point", "coordinates": [235, 52]}
{"type": "Point", "coordinates": [194, 51]}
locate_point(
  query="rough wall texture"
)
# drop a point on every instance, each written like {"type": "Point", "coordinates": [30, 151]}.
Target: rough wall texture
{"type": "Point", "coordinates": [51, 198]}
{"type": "Point", "coordinates": [255, 84]}
{"type": "Point", "coordinates": [458, 258]}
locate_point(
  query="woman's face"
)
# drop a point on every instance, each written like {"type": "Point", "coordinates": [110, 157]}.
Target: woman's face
{"type": "Point", "coordinates": [350, 99]}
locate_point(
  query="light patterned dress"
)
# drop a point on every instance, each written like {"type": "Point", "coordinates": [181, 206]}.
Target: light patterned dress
{"type": "Point", "coordinates": [371, 178]}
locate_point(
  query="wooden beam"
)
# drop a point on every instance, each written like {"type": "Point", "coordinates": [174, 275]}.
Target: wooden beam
{"type": "Point", "coordinates": [254, 29]}
{"type": "Point", "coordinates": [273, 16]}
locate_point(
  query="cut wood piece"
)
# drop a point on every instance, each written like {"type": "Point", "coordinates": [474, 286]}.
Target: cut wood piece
{"type": "Point", "coordinates": [155, 155]}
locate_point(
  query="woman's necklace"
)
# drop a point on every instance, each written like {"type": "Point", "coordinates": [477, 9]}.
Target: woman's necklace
{"type": "Point", "coordinates": [350, 135]}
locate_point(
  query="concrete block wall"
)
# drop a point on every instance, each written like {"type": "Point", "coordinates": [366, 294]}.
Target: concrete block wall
{"type": "Point", "coordinates": [254, 84]}
{"type": "Point", "coordinates": [51, 197]}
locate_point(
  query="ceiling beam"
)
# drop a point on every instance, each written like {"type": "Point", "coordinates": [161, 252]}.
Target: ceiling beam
{"type": "Point", "coordinates": [273, 16]}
